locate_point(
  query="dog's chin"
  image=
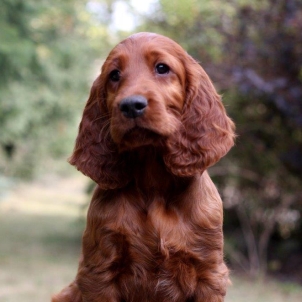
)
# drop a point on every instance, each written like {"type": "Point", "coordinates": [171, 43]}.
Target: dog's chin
{"type": "Point", "coordinates": [139, 137]}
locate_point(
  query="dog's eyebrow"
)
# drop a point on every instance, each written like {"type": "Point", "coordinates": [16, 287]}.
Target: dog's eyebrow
{"type": "Point", "coordinates": [117, 61]}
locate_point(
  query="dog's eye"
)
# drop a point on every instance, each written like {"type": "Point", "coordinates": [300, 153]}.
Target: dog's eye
{"type": "Point", "coordinates": [162, 68]}
{"type": "Point", "coordinates": [115, 75]}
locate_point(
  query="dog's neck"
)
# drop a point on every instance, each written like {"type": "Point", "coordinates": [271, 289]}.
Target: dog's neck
{"type": "Point", "coordinates": [150, 174]}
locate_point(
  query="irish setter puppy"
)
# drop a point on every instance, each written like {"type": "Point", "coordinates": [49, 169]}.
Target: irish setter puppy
{"type": "Point", "coordinates": [152, 125]}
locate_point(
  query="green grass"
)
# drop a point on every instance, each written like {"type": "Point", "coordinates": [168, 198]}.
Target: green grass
{"type": "Point", "coordinates": [266, 290]}
{"type": "Point", "coordinates": [38, 254]}
{"type": "Point", "coordinates": [40, 238]}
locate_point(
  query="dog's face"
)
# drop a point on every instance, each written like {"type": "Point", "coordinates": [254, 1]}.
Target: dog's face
{"type": "Point", "coordinates": [145, 88]}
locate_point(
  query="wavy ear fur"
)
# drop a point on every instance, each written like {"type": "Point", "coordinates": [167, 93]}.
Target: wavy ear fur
{"type": "Point", "coordinates": [95, 154]}
{"type": "Point", "coordinates": [207, 133]}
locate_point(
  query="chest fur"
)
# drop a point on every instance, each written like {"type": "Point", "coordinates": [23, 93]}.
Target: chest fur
{"type": "Point", "coordinates": [156, 249]}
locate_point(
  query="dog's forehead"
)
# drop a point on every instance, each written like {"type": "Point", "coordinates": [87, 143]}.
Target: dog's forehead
{"type": "Point", "coordinates": [144, 35]}
{"type": "Point", "coordinates": [144, 42]}
{"type": "Point", "coordinates": [150, 40]}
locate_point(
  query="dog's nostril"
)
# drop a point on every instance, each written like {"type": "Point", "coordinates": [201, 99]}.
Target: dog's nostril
{"type": "Point", "coordinates": [125, 108]}
{"type": "Point", "coordinates": [139, 106]}
{"type": "Point", "coordinates": [133, 106]}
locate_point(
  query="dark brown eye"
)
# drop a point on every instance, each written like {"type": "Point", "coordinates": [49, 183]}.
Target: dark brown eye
{"type": "Point", "coordinates": [115, 75]}
{"type": "Point", "coordinates": [162, 68]}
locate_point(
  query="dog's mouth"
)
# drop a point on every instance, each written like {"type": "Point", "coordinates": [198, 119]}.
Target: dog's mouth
{"type": "Point", "coordinates": [138, 137]}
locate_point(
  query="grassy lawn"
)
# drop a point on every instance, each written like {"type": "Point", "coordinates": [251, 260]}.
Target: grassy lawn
{"type": "Point", "coordinates": [40, 233]}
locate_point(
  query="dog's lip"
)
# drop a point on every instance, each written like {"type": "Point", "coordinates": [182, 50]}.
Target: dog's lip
{"type": "Point", "coordinates": [137, 137]}
{"type": "Point", "coordinates": [140, 136]}
{"type": "Point", "coordinates": [139, 131]}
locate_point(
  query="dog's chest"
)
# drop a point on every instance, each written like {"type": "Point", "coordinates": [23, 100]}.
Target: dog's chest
{"type": "Point", "coordinates": [158, 249]}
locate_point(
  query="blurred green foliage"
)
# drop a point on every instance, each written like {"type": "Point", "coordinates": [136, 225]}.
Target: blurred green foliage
{"type": "Point", "coordinates": [46, 54]}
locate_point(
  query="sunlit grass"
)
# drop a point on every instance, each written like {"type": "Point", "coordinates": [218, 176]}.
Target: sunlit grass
{"type": "Point", "coordinates": [40, 232]}
{"type": "Point", "coordinates": [265, 290]}
{"type": "Point", "coordinates": [38, 254]}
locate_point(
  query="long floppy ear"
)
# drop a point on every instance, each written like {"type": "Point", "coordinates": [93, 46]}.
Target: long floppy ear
{"type": "Point", "coordinates": [95, 154]}
{"type": "Point", "coordinates": [206, 134]}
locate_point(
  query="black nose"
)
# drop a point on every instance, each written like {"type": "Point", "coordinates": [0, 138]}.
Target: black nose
{"type": "Point", "coordinates": [133, 106]}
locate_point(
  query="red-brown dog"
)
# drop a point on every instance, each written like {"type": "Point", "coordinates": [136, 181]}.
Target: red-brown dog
{"type": "Point", "coordinates": [152, 125]}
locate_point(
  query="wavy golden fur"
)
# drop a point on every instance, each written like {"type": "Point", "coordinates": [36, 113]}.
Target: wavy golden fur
{"type": "Point", "coordinates": [151, 127]}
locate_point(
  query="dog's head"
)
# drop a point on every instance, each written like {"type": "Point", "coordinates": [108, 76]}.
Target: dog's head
{"type": "Point", "coordinates": [151, 92]}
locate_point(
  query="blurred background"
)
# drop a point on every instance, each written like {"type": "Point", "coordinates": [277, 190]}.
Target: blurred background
{"type": "Point", "coordinates": [50, 52]}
